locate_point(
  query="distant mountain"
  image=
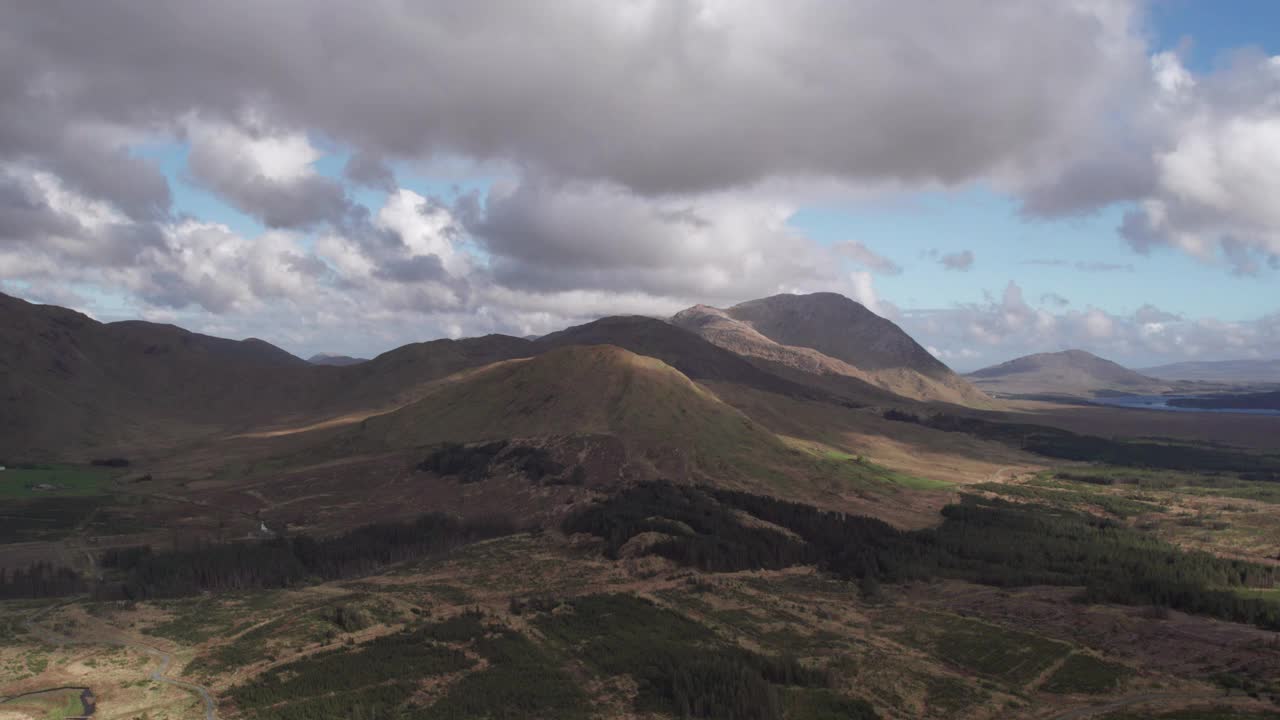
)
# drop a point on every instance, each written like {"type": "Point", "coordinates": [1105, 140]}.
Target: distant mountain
{"type": "Point", "coordinates": [1070, 372]}
{"type": "Point", "coordinates": [334, 359]}
{"type": "Point", "coordinates": [1221, 371]}
{"type": "Point", "coordinates": [826, 334]}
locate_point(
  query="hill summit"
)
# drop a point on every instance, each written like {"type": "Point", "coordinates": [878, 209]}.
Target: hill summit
{"type": "Point", "coordinates": [666, 424]}
{"type": "Point", "coordinates": [829, 334]}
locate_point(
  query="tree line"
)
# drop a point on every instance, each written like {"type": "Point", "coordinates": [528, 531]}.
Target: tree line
{"type": "Point", "coordinates": [1066, 445]}
{"type": "Point", "coordinates": [988, 541]}
{"type": "Point", "coordinates": [40, 580]}
{"type": "Point", "coordinates": [283, 562]}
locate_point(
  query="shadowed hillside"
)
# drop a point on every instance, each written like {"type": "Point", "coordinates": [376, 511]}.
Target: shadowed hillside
{"type": "Point", "coordinates": [72, 386]}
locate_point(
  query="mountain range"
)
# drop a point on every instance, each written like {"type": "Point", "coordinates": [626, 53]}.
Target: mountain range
{"type": "Point", "coordinates": [74, 386]}
{"type": "Point", "coordinates": [1221, 371]}
{"type": "Point", "coordinates": [334, 359]}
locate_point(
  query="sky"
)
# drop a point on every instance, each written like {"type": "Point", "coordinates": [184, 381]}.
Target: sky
{"type": "Point", "coordinates": [998, 177]}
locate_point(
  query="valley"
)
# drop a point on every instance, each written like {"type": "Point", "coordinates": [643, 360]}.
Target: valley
{"type": "Point", "coordinates": [711, 517]}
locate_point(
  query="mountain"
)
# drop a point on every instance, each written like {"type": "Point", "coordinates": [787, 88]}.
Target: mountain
{"type": "Point", "coordinates": [683, 350]}
{"type": "Point", "coordinates": [68, 381]}
{"type": "Point", "coordinates": [334, 359]}
{"type": "Point", "coordinates": [71, 386]}
{"type": "Point", "coordinates": [75, 388]}
{"type": "Point", "coordinates": [1070, 372]}
{"type": "Point", "coordinates": [1220, 371]}
{"type": "Point", "coordinates": [829, 335]}
{"type": "Point", "coordinates": [666, 424]}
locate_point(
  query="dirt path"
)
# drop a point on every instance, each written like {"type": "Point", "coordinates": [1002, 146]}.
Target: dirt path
{"type": "Point", "coordinates": [995, 476]}
{"type": "Point", "coordinates": [158, 674]}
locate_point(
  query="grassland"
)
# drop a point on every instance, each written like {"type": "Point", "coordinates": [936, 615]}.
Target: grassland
{"type": "Point", "coordinates": [859, 471]}
{"type": "Point", "coordinates": [1082, 673]}
{"type": "Point", "coordinates": [55, 481]}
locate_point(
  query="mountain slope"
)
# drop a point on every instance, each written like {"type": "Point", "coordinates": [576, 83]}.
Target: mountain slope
{"type": "Point", "coordinates": [71, 382]}
{"type": "Point", "coordinates": [683, 350]}
{"type": "Point", "coordinates": [668, 425]}
{"type": "Point", "coordinates": [1222, 371]}
{"type": "Point", "coordinates": [826, 334]}
{"type": "Point", "coordinates": [71, 386]}
{"type": "Point", "coordinates": [1070, 372]}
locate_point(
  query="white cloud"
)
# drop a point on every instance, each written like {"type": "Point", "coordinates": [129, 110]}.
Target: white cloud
{"type": "Point", "coordinates": [975, 335]}
{"type": "Point", "coordinates": [1218, 172]}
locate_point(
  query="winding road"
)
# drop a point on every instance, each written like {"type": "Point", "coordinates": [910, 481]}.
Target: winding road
{"type": "Point", "coordinates": [158, 674]}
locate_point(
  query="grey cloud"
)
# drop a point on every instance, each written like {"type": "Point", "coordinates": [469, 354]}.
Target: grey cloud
{"type": "Point", "coordinates": [962, 261]}
{"type": "Point", "coordinates": [1115, 170]}
{"type": "Point", "coordinates": [1054, 299]}
{"type": "Point", "coordinates": [542, 235]}
{"type": "Point", "coordinates": [862, 91]}
{"type": "Point", "coordinates": [26, 217]}
{"type": "Point", "coordinates": [416, 269]}
{"type": "Point", "coordinates": [291, 203]}
{"type": "Point", "coordinates": [364, 168]}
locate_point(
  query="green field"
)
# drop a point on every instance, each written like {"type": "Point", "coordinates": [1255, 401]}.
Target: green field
{"type": "Point", "coordinates": [55, 481]}
{"type": "Point", "coordinates": [861, 470]}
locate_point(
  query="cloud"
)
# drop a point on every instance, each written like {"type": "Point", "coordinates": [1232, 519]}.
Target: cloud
{"type": "Point", "coordinates": [546, 236]}
{"type": "Point", "coordinates": [979, 334]}
{"type": "Point", "coordinates": [1102, 267]}
{"type": "Point", "coordinates": [590, 91]}
{"type": "Point", "coordinates": [366, 169]}
{"type": "Point", "coordinates": [1087, 266]}
{"type": "Point", "coordinates": [962, 261]}
{"type": "Point", "coordinates": [641, 157]}
{"type": "Point", "coordinates": [1217, 170]}
{"type": "Point", "coordinates": [266, 174]}
{"type": "Point", "coordinates": [866, 257]}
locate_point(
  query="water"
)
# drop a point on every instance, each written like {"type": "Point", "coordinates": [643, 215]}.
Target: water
{"type": "Point", "coordinates": [1161, 402]}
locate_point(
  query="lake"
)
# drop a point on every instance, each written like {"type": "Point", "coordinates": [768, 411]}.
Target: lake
{"type": "Point", "coordinates": [1161, 402]}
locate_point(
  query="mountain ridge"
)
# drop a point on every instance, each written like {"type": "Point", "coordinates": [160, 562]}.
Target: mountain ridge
{"type": "Point", "coordinates": [1221, 371]}
{"type": "Point", "coordinates": [825, 335]}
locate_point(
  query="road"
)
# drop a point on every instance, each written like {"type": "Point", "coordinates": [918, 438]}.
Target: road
{"type": "Point", "coordinates": [158, 674]}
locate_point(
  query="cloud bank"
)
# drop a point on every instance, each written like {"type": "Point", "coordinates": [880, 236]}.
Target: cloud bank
{"type": "Point", "coordinates": [642, 157]}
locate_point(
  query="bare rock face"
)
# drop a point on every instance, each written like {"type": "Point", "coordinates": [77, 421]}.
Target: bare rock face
{"type": "Point", "coordinates": [829, 334]}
